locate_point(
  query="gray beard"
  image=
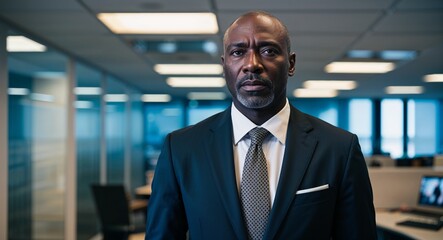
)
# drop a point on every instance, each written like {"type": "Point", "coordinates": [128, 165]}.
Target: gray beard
{"type": "Point", "coordinates": [255, 102]}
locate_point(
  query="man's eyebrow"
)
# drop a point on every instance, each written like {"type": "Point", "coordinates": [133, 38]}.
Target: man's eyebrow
{"type": "Point", "coordinates": [237, 44]}
{"type": "Point", "coordinates": [269, 43]}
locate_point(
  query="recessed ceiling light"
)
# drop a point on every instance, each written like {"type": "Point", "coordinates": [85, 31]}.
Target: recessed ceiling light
{"type": "Point", "coordinates": [160, 23]}
{"type": "Point", "coordinates": [330, 84]}
{"type": "Point", "coordinates": [404, 89]}
{"type": "Point", "coordinates": [206, 96]}
{"type": "Point", "coordinates": [433, 78]}
{"type": "Point", "coordinates": [196, 82]}
{"type": "Point", "coordinates": [83, 104]}
{"type": "Point", "coordinates": [156, 98]}
{"type": "Point", "coordinates": [189, 69]}
{"type": "Point", "coordinates": [23, 44]}
{"type": "Point", "coordinates": [315, 93]}
{"type": "Point", "coordinates": [18, 91]}
{"type": "Point", "coordinates": [359, 67]}
{"type": "Point", "coordinates": [87, 91]}
{"type": "Point", "coordinates": [42, 97]}
{"type": "Point", "coordinates": [116, 98]}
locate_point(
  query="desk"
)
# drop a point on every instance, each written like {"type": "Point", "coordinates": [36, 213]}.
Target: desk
{"type": "Point", "coordinates": [144, 191]}
{"type": "Point", "coordinates": [388, 220]}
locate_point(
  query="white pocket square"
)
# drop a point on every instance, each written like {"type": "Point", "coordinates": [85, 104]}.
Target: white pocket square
{"type": "Point", "coordinates": [314, 189]}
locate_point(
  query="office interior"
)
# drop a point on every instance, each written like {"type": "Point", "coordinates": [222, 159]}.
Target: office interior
{"type": "Point", "coordinates": [85, 102]}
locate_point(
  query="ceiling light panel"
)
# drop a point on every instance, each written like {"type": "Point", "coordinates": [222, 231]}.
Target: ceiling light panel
{"type": "Point", "coordinates": [160, 23]}
{"type": "Point", "coordinates": [87, 91]}
{"type": "Point", "coordinates": [116, 98]}
{"type": "Point", "coordinates": [359, 67]}
{"type": "Point", "coordinates": [315, 93]}
{"type": "Point", "coordinates": [330, 84]}
{"type": "Point", "coordinates": [433, 78]}
{"type": "Point", "coordinates": [23, 44]}
{"type": "Point", "coordinates": [156, 98]}
{"type": "Point", "coordinates": [196, 82]}
{"type": "Point", "coordinates": [404, 90]}
{"type": "Point", "coordinates": [189, 69]}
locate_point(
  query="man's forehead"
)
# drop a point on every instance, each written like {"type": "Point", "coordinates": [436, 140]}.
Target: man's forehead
{"type": "Point", "coordinates": [253, 25]}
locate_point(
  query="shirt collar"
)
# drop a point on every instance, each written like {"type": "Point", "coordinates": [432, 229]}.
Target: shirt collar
{"type": "Point", "coordinates": [276, 125]}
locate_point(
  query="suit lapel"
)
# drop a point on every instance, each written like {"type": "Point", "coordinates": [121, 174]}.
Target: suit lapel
{"type": "Point", "coordinates": [220, 151]}
{"type": "Point", "coordinates": [300, 146]}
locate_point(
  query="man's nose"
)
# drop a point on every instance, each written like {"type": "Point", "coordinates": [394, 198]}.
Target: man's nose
{"type": "Point", "coordinates": [253, 63]}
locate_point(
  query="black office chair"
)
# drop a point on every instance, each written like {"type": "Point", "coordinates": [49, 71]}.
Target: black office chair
{"type": "Point", "coordinates": [114, 210]}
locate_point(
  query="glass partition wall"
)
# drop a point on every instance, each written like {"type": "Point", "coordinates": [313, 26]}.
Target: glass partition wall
{"type": "Point", "coordinates": [108, 146]}
{"type": "Point", "coordinates": [88, 132]}
{"type": "Point", "coordinates": [36, 141]}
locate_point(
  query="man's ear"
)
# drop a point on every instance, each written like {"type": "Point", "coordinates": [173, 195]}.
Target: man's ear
{"type": "Point", "coordinates": [291, 71]}
{"type": "Point", "coordinates": [223, 63]}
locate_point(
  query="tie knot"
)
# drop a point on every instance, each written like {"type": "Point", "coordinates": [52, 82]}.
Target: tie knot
{"type": "Point", "coordinates": [258, 135]}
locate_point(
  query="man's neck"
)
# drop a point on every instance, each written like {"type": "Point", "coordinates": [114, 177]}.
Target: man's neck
{"type": "Point", "coordinates": [260, 115]}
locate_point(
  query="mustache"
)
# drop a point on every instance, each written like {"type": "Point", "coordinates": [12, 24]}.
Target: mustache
{"type": "Point", "coordinates": [256, 78]}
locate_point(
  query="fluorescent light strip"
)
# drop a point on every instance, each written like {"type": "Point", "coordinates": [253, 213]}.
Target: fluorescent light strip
{"type": "Point", "coordinates": [23, 44]}
{"type": "Point", "coordinates": [404, 90]}
{"type": "Point", "coordinates": [18, 91]}
{"type": "Point", "coordinates": [87, 90]}
{"type": "Point", "coordinates": [160, 23]}
{"type": "Point", "coordinates": [189, 69]}
{"type": "Point", "coordinates": [330, 84]}
{"type": "Point", "coordinates": [196, 82]}
{"type": "Point", "coordinates": [156, 98]}
{"type": "Point", "coordinates": [42, 97]}
{"type": "Point", "coordinates": [206, 96]}
{"type": "Point", "coordinates": [359, 67]}
{"type": "Point", "coordinates": [116, 97]}
{"type": "Point", "coordinates": [433, 78]}
{"type": "Point", "coordinates": [315, 93]}
{"type": "Point", "coordinates": [83, 104]}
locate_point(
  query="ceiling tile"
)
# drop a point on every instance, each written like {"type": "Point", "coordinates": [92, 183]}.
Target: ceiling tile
{"type": "Point", "coordinates": [149, 5]}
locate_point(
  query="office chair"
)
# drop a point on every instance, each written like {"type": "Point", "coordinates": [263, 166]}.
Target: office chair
{"type": "Point", "coordinates": [114, 210]}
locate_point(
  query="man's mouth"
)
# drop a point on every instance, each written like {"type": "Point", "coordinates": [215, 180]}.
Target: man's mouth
{"type": "Point", "coordinates": [253, 85]}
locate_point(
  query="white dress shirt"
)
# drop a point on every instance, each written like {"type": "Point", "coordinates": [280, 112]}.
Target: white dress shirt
{"type": "Point", "coordinates": [273, 145]}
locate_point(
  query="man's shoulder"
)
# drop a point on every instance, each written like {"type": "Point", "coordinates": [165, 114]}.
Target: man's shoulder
{"type": "Point", "coordinates": [322, 127]}
{"type": "Point", "coordinates": [203, 126]}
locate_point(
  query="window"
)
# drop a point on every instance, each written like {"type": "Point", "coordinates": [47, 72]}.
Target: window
{"type": "Point", "coordinates": [199, 110]}
{"type": "Point", "coordinates": [360, 122]}
{"type": "Point", "coordinates": [325, 109]}
{"type": "Point", "coordinates": [422, 127]}
{"type": "Point", "coordinates": [160, 119]}
{"type": "Point", "coordinates": [392, 127]}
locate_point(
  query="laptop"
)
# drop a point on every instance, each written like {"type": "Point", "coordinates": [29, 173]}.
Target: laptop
{"type": "Point", "coordinates": [430, 196]}
{"type": "Point", "coordinates": [429, 205]}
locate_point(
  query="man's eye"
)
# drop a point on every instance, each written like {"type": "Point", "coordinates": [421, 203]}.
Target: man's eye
{"type": "Point", "coordinates": [237, 53]}
{"type": "Point", "coordinates": [269, 52]}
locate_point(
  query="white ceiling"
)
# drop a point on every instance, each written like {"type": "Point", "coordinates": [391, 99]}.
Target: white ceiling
{"type": "Point", "coordinates": [321, 31]}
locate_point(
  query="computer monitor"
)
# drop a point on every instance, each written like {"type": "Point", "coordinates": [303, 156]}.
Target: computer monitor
{"type": "Point", "coordinates": [431, 192]}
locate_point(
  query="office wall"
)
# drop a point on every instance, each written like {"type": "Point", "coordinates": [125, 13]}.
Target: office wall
{"type": "Point", "coordinates": [43, 159]}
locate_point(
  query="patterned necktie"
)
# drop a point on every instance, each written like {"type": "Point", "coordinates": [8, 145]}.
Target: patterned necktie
{"type": "Point", "coordinates": [254, 187]}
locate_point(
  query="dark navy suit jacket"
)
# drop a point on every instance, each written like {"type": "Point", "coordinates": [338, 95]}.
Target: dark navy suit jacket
{"type": "Point", "coordinates": [195, 188]}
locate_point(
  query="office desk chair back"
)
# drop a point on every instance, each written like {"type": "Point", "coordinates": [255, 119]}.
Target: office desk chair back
{"type": "Point", "coordinates": [112, 205]}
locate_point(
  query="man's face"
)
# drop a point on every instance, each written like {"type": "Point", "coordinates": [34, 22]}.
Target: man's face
{"type": "Point", "coordinates": [256, 62]}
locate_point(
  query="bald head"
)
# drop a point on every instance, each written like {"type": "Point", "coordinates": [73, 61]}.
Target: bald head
{"type": "Point", "coordinates": [265, 16]}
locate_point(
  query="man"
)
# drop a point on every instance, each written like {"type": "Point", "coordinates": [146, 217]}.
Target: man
{"type": "Point", "coordinates": [316, 180]}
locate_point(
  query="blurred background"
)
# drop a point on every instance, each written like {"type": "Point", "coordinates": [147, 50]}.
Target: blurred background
{"type": "Point", "coordinates": [90, 88]}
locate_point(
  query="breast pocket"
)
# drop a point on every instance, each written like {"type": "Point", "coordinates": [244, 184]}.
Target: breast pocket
{"type": "Point", "coordinates": [315, 195]}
